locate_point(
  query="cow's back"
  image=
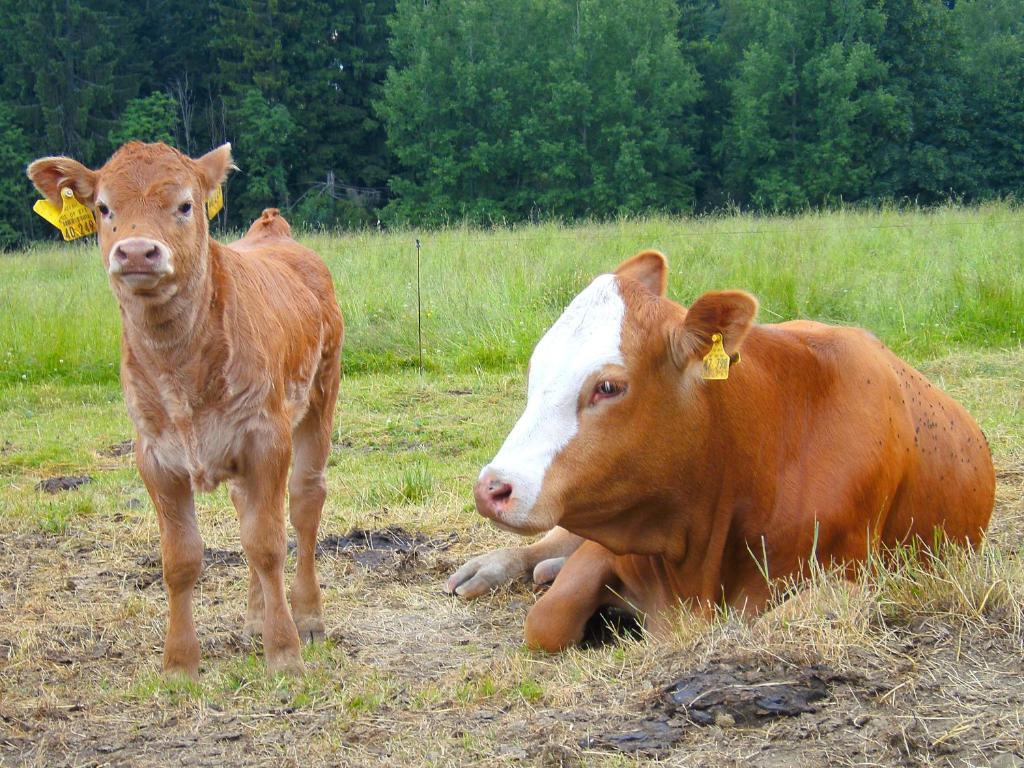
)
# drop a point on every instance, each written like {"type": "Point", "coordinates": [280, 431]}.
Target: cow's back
{"type": "Point", "coordinates": [931, 458]}
{"type": "Point", "coordinates": [270, 253]}
{"type": "Point", "coordinates": [949, 481]}
{"type": "Point", "coordinates": [280, 311]}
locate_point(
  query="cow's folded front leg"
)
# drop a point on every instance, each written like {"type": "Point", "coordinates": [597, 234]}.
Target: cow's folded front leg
{"type": "Point", "coordinates": [543, 558]}
{"type": "Point", "coordinates": [586, 582]}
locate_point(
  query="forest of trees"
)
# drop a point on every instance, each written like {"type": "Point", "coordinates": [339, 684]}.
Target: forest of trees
{"type": "Point", "coordinates": [430, 111]}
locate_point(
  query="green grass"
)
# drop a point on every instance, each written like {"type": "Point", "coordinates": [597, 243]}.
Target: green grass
{"type": "Point", "coordinates": [925, 282]}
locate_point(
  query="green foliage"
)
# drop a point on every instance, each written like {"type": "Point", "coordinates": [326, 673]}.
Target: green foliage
{"type": "Point", "coordinates": [323, 211]}
{"type": "Point", "coordinates": [70, 67]}
{"type": "Point", "coordinates": [810, 111]}
{"type": "Point", "coordinates": [505, 110]}
{"type": "Point", "coordinates": [993, 66]}
{"type": "Point", "coordinates": [315, 63]}
{"type": "Point", "coordinates": [922, 45]}
{"type": "Point", "coordinates": [14, 156]}
{"type": "Point", "coordinates": [261, 151]}
{"type": "Point", "coordinates": [150, 119]}
{"type": "Point", "coordinates": [493, 111]}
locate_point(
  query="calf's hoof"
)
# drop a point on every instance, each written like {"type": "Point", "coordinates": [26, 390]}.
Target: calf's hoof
{"type": "Point", "coordinates": [311, 629]}
{"type": "Point", "coordinates": [175, 671]}
{"type": "Point", "coordinates": [253, 629]}
{"type": "Point", "coordinates": [285, 662]}
{"type": "Point", "coordinates": [181, 658]}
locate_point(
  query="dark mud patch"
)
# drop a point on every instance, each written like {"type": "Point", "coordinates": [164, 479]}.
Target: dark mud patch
{"type": "Point", "coordinates": [736, 695]}
{"type": "Point", "coordinates": [373, 549]}
{"type": "Point", "coordinates": [62, 483]}
{"type": "Point", "coordinates": [723, 694]}
{"type": "Point", "coordinates": [117, 450]}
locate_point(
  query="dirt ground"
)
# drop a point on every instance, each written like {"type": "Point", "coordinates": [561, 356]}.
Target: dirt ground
{"type": "Point", "coordinates": [920, 668]}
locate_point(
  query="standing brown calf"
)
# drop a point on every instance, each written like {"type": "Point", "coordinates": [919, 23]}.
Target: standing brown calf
{"type": "Point", "coordinates": [230, 357]}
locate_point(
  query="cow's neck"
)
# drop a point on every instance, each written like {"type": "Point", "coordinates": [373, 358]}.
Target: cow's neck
{"type": "Point", "coordinates": [690, 526]}
{"type": "Point", "coordinates": [171, 333]}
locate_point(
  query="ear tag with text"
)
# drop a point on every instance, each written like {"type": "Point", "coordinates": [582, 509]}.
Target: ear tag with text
{"type": "Point", "coordinates": [716, 361]}
{"type": "Point", "coordinates": [214, 203]}
{"type": "Point", "coordinates": [73, 220]}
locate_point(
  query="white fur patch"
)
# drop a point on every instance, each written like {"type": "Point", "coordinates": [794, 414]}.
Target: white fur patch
{"type": "Point", "coordinates": [587, 337]}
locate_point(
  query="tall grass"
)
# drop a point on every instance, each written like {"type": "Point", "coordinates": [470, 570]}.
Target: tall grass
{"type": "Point", "coordinates": [924, 282]}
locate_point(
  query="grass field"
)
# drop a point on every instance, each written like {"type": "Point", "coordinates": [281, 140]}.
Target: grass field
{"type": "Point", "coordinates": [923, 666]}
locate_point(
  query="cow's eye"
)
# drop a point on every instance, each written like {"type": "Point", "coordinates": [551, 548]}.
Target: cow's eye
{"type": "Point", "coordinates": [104, 211]}
{"type": "Point", "coordinates": [185, 209]}
{"type": "Point", "coordinates": [605, 389]}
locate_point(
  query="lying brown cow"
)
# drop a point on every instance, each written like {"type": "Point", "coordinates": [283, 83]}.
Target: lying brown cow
{"type": "Point", "coordinates": [230, 357]}
{"type": "Point", "coordinates": [661, 485]}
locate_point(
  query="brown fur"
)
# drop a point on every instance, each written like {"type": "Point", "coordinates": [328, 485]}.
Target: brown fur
{"type": "Point", "coordinates": [820, 444]}
{"type": "Point", "coordinates": [229, 366]}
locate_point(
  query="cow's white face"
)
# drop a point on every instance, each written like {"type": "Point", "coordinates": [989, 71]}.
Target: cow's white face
{"type": "Point", "coordinates": [582, 343]}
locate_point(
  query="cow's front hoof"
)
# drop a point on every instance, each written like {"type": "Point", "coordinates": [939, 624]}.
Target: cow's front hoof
{"type": "Point", "coordinates": [486, 572]}
{"type": "Point", "coordinates": [311, 630]}
{"type": "Point", "coordinates": [252, 629]}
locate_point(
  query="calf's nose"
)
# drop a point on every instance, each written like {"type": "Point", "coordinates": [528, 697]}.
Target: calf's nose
{"type": "Point", "coordinates": [138, 254]}
{"type": "Point", "coordinates": [492, 495]}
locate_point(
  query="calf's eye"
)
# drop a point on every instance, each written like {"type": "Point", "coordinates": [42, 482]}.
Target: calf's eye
{"type": "Point", "coordinates": [185, 209]}
{"type": "Point", "coordinates": [104, 211]}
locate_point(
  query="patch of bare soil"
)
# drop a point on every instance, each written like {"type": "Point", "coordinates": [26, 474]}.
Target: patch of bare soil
{"type": "Point", "coordinates": [62, 483]}
{"type": "Point", "coordinates": [391, 545]}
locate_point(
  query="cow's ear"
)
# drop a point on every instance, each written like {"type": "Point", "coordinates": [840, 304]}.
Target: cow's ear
{"type": "Point", "coordinates": [650, 268]}
{"type": "Point", "coordinates": [730, 313]}
{"type": "Point", "coordinates": [215, 165]}
{"type": "Point", "coordinates": [52, 174]}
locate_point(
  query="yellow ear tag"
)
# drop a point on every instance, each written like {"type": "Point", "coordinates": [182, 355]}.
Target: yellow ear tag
{"type": "Point", "coordinates": [73, 220]}
{"type": "Point", "coordinates": [214, 203]}
{"type": "Point", "coordinates": [716, 362]}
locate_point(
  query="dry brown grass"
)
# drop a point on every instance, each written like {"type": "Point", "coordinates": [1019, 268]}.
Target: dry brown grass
{"type": "Point", "coordinates": [927, 662]}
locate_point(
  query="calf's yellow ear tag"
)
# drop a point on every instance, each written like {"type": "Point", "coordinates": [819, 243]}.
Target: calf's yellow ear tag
{"type": "Point", "coordinates": [73, 220]}
{"type": "Point", "coordinates": [716, 361]}
{"type": "Point", "coordinates": [214, 203]}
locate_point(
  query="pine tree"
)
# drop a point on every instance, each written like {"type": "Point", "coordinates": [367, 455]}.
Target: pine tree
{"type": "Point", "coordinates": [69, 71]}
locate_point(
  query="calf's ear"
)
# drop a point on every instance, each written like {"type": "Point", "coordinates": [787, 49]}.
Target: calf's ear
{"type": "Point", "coordinates": [215, 165]}
{"type": "Point", "coordinates": [52, 174]}
{"type": "Point", "coordinates": [650, 268]}
{"type": "Point", "coordinates": [730, 313]}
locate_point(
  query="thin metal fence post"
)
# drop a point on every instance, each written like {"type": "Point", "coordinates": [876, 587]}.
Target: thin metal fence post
{"type": "Point", "coordinates": [419, 308]}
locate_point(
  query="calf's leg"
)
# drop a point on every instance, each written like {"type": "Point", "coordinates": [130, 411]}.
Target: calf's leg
{"type": "Point", "coordinates": [181, 550]}
{"type": "Point", "coordinates": [253, 626]}
{"type": "Point", "coordinates": [307, 491]}
{"type": "Point", "coordinates": [258, 495]}
{"type": "Point", "coordinates": [586, 582]}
